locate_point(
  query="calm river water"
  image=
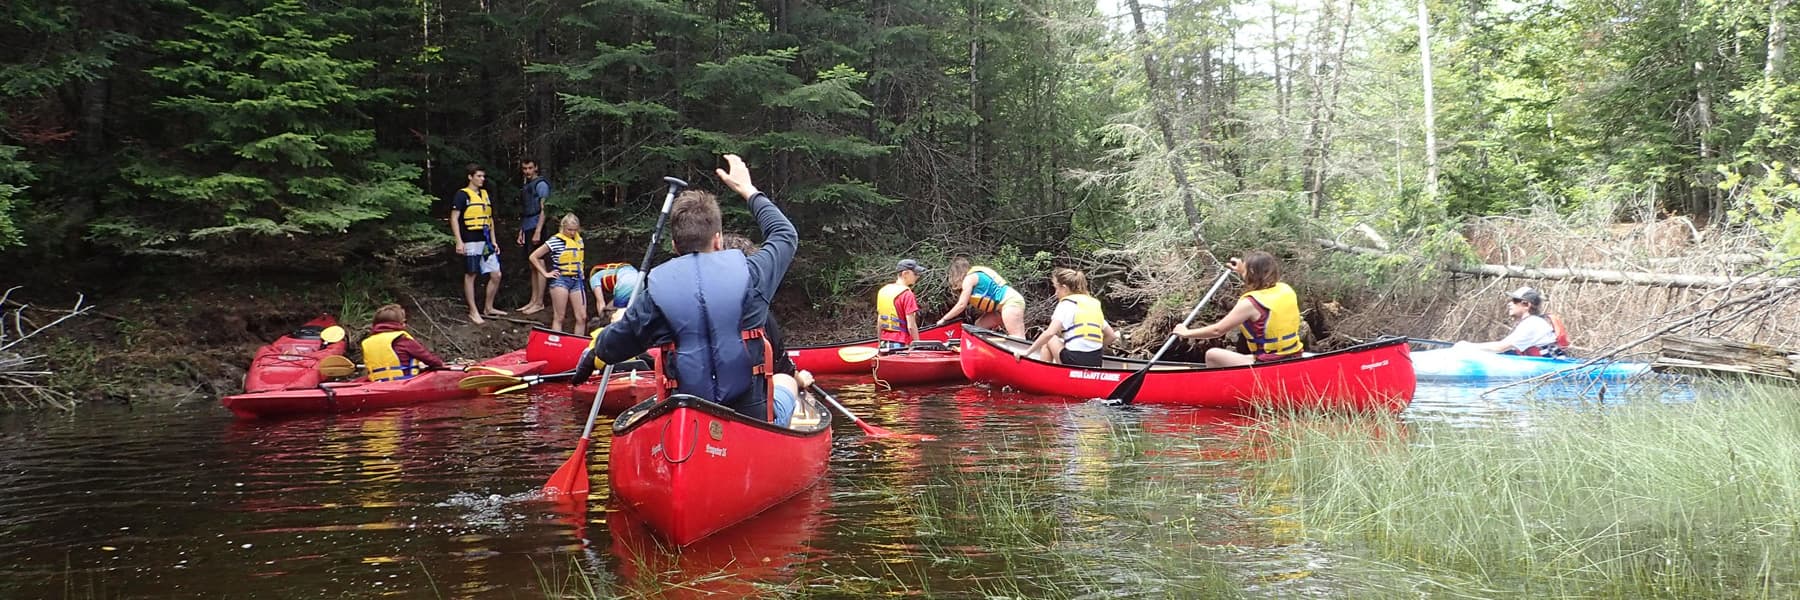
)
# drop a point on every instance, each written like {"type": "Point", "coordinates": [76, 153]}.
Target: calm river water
{"type": "Point", "coordinates": [1019, 496]}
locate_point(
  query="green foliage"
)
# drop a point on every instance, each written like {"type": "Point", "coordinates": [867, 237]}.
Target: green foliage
{"type": "Point", "coordinates": [14, 173]}
{"type": "Point", "coordinates": [272, 125]}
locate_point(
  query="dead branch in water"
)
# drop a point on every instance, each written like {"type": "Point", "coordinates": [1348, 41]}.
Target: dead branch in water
{"type": "Point", "coordinates": [22, 376]}
{"type": "Point", "coordinates": [1609, 276]}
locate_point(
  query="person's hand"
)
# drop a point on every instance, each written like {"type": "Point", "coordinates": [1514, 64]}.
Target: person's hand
{"type": "Point", "coordinates": [1018, 355]}
{"type": "Point", "coordinates": [804, 378]}
{"type": "Point", "coordinates": [736, 176]}
{"type": "Point", "coordinates": [941, 322]}
{"type": "Point", "coordinates": [457, 246]}
{"type": "Point", "coordinates": [1182, 330]}
{"type": "Point", "coordinates": [547, 274]}
{"type": "Point", "coordinates": [537, 237]}
{"type": "Point", "coordinates": [521, 238]}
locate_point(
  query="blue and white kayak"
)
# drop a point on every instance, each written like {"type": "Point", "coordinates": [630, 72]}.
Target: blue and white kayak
{"type": "Point", "coordinates": [1457, 364]}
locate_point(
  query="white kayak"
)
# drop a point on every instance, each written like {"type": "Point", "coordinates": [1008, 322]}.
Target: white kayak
{"type": "Point", "coordinates": [1458, 364]}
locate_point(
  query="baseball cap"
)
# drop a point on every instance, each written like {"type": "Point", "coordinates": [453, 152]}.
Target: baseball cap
{"type": "Point", "coordinates": [1528, 294]}
{"type": "Point", "coordinates": [908, 264]}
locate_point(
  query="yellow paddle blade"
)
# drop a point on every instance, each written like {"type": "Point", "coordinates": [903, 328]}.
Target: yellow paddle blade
{"type": "Point", "coordinates": [331, 335]}
{"type": "Point", "coordinates": [497, 370]}
{"type": "Point", "coordinates": [475, 382]}
{"type": "Point", "coordinates": [511, 389]}
{"type": "Point", "coordinates": [336, 366]}
{"type": "Point", "coordinates": [856, 354]}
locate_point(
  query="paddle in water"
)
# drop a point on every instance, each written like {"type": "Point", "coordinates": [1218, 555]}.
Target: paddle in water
{"type": "Point", "coordinates": [1128, 389]}
{"type": "Point", "coordinates": [572, 476]}
{"type": "Point", "coordinates": [869, 430]}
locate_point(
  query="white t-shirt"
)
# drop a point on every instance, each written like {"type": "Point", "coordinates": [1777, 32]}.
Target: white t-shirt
{"type": "Point", "coordinates": [1531, 332]}
{"type": "Point", "coordinates": [1065, 314]}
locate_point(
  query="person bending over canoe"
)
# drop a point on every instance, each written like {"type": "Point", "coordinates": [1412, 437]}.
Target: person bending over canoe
{"type": "Point", "coordinates": [1535, 334]}
{"type": "Point", "coordinates": [390, 353]}
{"type": "Point", "coordinates": [986, 294]}
{"type": "Point", "coordinates": [612, 284]}
{"type": "Point", "coordinates": [566, 252]}
{"type": "Point", "coordinates": [1078, 330]}
{"type": "Point", "coordinates": [1268, 316]}
{"type": "Point", "coordinates": [707, 308]}
{"type": "Point", "coordinates": [897, 309]}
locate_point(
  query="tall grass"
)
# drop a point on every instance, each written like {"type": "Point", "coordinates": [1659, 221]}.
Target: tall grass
{"type": "Point", "coordinates": [1642, 500]}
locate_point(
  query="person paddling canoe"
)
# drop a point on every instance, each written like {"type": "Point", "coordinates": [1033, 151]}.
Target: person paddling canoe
{"type": "Point", "coordinates": [784, 366]}
{"type": "Point", "coordinates": [1534, 334]}
{"type": "Point", "coordinates": [897, 309]}
{"type": "Point", "coordinates": [1268, 316]}
{"type": "Point", "coordinates": [986, 294]}
{"type": "Point", "coordinates": [707, 308]}
{"type": "Point", "coordinates": [1078, 331]}
{"type": "Point", "coordinates": [390, 352]}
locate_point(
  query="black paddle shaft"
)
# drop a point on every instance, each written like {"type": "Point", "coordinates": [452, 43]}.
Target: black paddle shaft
{"type": "Point", "coordinates": [1128, 389]}
{"type": "Point", "coordinates": [675, 187]}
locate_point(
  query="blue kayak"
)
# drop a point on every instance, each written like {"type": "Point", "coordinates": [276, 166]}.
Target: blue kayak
{"type": "Point", "coordinates": [1456, 364]}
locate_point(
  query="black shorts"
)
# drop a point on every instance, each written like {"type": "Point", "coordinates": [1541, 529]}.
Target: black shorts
{"type": "Point", "coordinates": [1072, 358]}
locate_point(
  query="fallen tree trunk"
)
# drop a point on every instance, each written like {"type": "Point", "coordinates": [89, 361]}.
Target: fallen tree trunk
{"type": "Point", "coordinates": [1592, 275]}
{"type": "Point", "coordinates": [1696, 354]}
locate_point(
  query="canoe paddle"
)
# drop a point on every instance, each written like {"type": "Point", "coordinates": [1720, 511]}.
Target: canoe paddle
{"type": "Point", "coordinates": [869, 430]}
{"type": "Point", "coordinates": [335, 366]}
{"type": "Point", "coordinates": [572, 476]}
{"type": "Point", "coordinates": [1128, 389]}
{"type": "Point", "coordinates": [856, 354]}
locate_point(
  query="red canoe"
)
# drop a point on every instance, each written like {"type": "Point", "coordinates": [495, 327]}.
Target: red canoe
{"type": "Point", "coordinates": [687, 467]}
{"type": "Point", "coordinates": [292, 361]}
{"type": "Point", "coordinates": [559, 351]}
{"type": "Point", "coordinates": [919, 367]}
{"type": "Point", "coordinates": [824, 360]}
{"type": "Point", "coordinates": [1373, 376]}
{"type": "Point", "coordinates": [625, 390]}
{"type": "Point", "coordinates": [353, 396]}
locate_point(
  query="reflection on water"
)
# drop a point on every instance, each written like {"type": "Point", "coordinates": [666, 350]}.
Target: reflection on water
{"type": "Point", "coordinates": [1018, 496]}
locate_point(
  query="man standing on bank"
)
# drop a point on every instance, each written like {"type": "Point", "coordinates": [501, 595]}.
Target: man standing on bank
{"type": "Point", "coordinates": [472, 225]}
{"type": "Point", "coordinates": [531, 227]}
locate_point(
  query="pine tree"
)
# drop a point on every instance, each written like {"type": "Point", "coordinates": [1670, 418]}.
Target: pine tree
{"type": "Point", "coordinates": [270, 135]}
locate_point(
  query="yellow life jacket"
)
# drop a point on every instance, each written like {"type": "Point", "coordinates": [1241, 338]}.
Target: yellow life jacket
{"type": "Point", "coordinates": [479, 214]}
{"type": "Point", "coordinates": [1090, 320]}
{"type": "Point", "coordinates": [568, 262]}
{"type": "Point", "coordinates": [383, 363]}
{"type": "Point", "coordinates": [1278, 330]}
{"type": "Point", "coordinates": [888, 317]}
{"type": "Point", "coordinates": [988, 292]}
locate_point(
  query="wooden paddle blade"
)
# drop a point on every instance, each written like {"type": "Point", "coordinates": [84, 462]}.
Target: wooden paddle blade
{"type": "Point", "coordinates": [856, 354]}
{"type": "Point", "coordinates": [476, 382]}
{"type": "Point", "coordinates": [331, 335]}
{"type": "Point", "coordinates": [572, 477]}
{"type": "Point", "coordinates": [336, 366]}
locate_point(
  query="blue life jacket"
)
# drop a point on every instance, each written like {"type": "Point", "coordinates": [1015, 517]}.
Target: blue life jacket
{"type": "Point", "coordinates": [716, 355]}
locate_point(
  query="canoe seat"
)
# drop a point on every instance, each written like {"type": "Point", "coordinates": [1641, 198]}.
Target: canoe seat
{"type": "Point", "coordinates": [807, 413]}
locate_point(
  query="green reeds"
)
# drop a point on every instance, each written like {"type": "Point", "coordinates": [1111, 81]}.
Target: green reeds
{"type": "Point", "coordinates": [1641, 500]}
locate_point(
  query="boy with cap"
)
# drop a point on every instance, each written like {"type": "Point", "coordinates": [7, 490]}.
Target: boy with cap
{"type": "Point", "coordinates": [1535, 334]}
{"type": "Point", "coordinates": [897, 310]}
